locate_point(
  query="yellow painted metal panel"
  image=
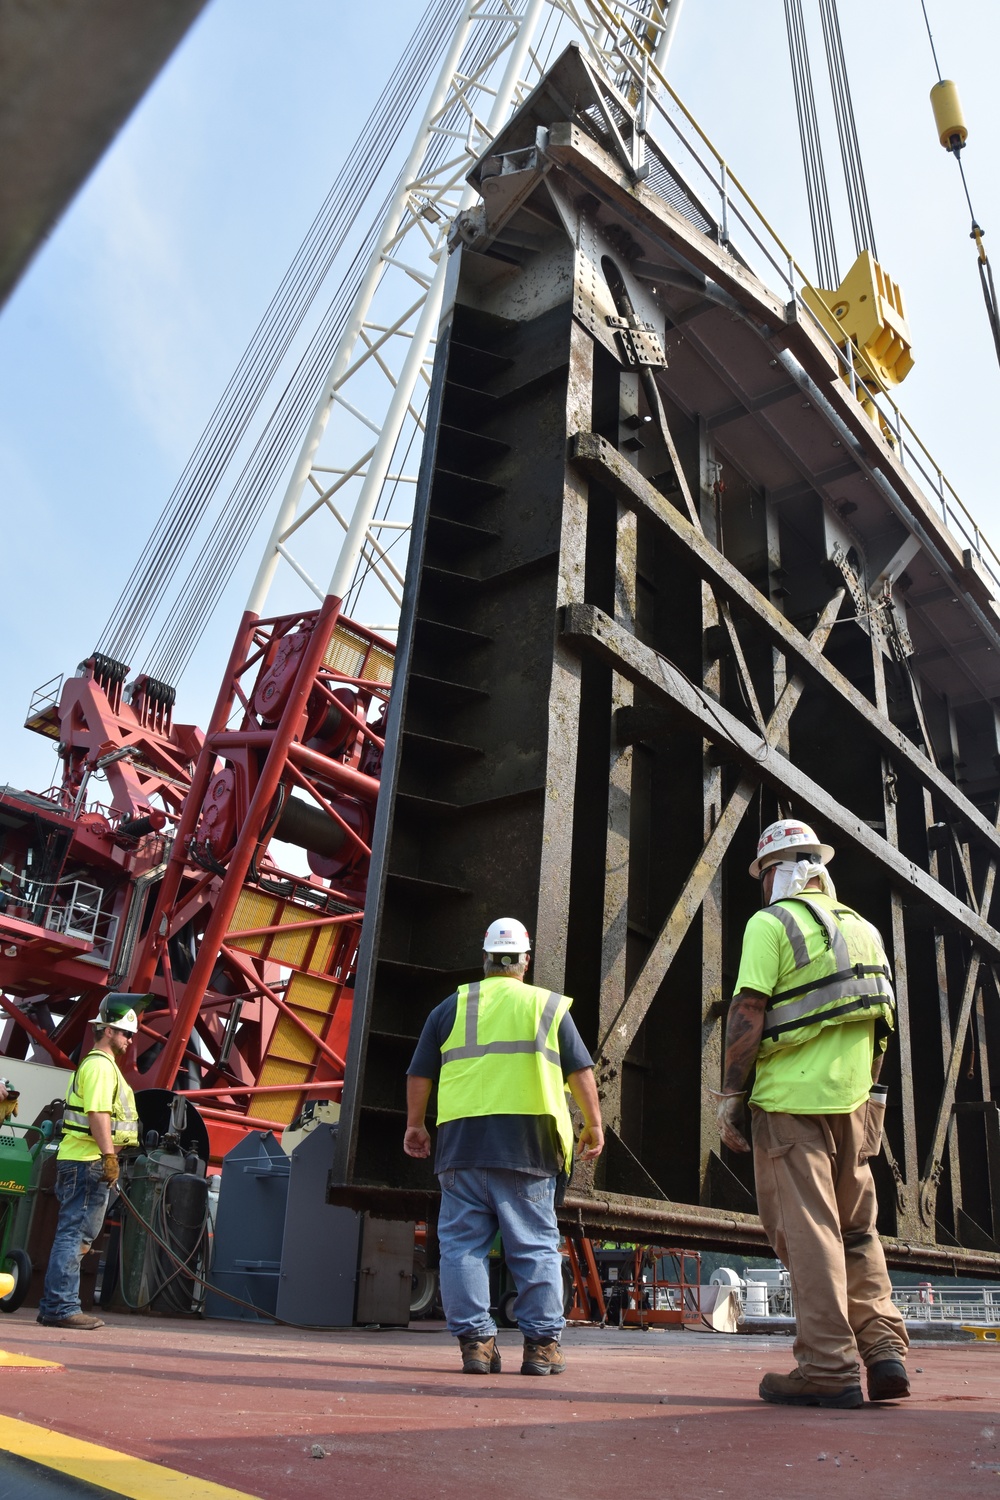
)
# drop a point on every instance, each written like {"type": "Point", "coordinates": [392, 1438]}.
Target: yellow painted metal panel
{"type": "Point", "coordinates": [277, 1070]}
{"type": "Point", "coordinates": [346, 652]}
{"type": "Point", "coordinates": [306, 992]}
{"type": "Point", "coordinates": [253, 909]}
{"type": "Point", "coordinates": [292, 949]}
{"type": "Point", "coordinates": [379, 668]}
{"type": "Point", "coordinates": [320, 960]}
{"type": "Point", "coordinates": [291, 1042]}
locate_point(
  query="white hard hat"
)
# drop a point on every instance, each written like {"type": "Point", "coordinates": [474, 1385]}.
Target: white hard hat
{"type": "Point", "coordinates": [787, 839]}
{"type": "Point", "coordinates": [506, 935]}
{"type": "Point", "coordinates": [120, 1010]}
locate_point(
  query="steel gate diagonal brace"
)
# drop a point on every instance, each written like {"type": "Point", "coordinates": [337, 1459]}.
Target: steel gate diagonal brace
{"type": "Point", "coordinates": [621, 1033]}
{"type": "Point", "coordinates": [597, 458]}
{"type": "Point", "coordinates": [592, 630]}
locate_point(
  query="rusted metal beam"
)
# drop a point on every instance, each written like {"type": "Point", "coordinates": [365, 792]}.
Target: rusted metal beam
{"type": "Point", "coordinates": [593, 630]}
{"type": "Point", "coordinates": [618, 1036]}
{"type": "Point", "coordinates": [598, 458]}
{"type": "Point", "coordinates": [689, 1224]}
{"type": "Point", "coordinates": [932, 1170]}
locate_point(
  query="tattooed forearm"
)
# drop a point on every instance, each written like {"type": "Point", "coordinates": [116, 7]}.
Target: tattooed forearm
{"type": "Point", "coordinates": [744, 1028]}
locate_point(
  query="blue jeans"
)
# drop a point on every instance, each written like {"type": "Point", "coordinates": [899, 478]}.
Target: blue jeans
{"type": "Point", "coordinates": [475, 1203]}
{"type": "Point", "coordinates": [82, 1196]}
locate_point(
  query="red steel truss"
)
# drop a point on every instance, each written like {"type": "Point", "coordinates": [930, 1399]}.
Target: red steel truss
{"type": "Point", "coordinates": [229, 869]}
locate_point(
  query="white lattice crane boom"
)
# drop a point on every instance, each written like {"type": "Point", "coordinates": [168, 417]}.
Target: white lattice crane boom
{"type": "Point", "coordinates": [411, 245]}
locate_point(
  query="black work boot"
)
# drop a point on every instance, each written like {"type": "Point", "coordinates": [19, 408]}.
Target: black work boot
{"type": "Point", "coordinates": [480, 1356]}
{"type": "Point", "coordinates": [887, 1380]}
{"type": "Point", "coordinates": [796, 1390]}
{"type": "Point", "coordinates": [542, 1357]}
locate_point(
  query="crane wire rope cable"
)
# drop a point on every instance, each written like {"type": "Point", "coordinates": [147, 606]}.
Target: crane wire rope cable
{"type": "Point", "coordinates": [821, 222]}
{"type": "Point", "coordinates": [847, 131]}
{"type": "Point", "coordinates": [206, 466]}
{"type": "Point", "coordinates": [541, 57]}
{"type": "Point", "coordinates": [247, 385]}
{"type": "Point", "coordinates": [199, 595]}
{"type": "Point", "coordinates": [242, 510]}
{"type": "Point", "coordinates": [985, 268]}
{"type": "Point", "coordinates": [188, 617]}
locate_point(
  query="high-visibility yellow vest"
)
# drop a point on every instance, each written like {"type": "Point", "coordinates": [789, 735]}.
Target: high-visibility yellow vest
{"type": "Point", "coordinates": [124, 1115]}
{"type": "Point", "coordinates": [849, 981]}
{"type": "Point", "coordinates": [501, 1056]}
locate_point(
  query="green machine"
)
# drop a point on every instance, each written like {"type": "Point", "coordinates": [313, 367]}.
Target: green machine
{"type": "Point", "coordinates": [21, 1161]}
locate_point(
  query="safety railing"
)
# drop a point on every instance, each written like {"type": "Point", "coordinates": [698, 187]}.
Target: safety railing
{"type": "Point", "coordinates": [922, 1303]}
{"type": "Point", "coordinates": [974, 1304]}
{"type": "Point", "coordinates": [766, 254]}
{"type": "Point", "coordinates": [75, 910]}
{"type": "Point", "coordinates": [46, 696]}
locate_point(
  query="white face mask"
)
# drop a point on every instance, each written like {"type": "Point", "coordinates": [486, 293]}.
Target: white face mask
{"type": "Point", "coordinates": [792, 876]}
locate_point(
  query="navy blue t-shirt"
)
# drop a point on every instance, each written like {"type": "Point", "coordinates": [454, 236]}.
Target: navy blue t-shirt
{"type": "Point", "coordinates": [526, 1143]}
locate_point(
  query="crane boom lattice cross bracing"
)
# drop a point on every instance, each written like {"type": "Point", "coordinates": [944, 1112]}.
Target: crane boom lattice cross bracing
{"type": "Point", "coordinates": [346, 496]}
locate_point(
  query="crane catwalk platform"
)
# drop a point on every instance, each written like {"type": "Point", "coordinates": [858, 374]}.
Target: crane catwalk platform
{"type": "Point", "coordinates": [153, 1408]}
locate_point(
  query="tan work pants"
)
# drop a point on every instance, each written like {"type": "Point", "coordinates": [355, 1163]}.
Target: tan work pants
{"type": "Point", "coordinates": [816, 1199]}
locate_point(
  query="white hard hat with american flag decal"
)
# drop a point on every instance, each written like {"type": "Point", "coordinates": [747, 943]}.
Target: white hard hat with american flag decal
{"type": "Point", "coordinates": [506, 935]}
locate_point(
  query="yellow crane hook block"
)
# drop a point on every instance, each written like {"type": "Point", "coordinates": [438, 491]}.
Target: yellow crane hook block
{"type": "Point", "coordinates": [868, 309]}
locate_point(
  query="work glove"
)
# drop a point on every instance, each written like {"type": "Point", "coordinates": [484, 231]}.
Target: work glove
{"type": "Point", "coordinates": [730, 1121]}
{"type": "Point", "coordinates": [8, 1107]}
{"type": "Point", "coordinates": [110, 1165]}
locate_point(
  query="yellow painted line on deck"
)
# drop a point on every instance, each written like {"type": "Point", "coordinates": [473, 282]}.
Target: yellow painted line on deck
{"type": "Point", "coordinates": [134, 1478]}
{"type": "Point", "coordinates": [10, 1361]}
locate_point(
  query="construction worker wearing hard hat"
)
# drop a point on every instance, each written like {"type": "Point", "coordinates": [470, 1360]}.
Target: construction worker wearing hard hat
{"type": "Point", "coordinates": [99, 1118]}
{"type": "Point", "coordinates": [813, 1010]}
{"type": "Point", "coordinates": [503, 1053]}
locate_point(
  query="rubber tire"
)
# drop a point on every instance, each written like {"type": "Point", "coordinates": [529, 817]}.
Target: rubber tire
{"type": "Point", "coordinates": [569, 1289]}
{"type": "Point", "coordinates": [18, 1262]}
{"type": "Point", "coordinates": [424, 1287]}
{"type": "Point", "coordinates": [505, 1317]}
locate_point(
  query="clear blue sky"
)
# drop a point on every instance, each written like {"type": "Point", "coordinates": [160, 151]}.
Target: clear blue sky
{"type": "Point", "coordinates": [120, 338]}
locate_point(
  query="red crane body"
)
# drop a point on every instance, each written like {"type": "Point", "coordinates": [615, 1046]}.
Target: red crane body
{"type": "Point", "coordinates": [171, 885]}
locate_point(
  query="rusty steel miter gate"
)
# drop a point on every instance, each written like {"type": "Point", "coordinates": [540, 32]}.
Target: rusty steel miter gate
{"type": "Point", "coordinates": [668, 580]}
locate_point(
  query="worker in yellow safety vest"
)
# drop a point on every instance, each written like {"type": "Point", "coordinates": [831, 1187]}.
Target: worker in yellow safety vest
{"type": "Point", "coordinates": [503, 1054]}
{"type": "Point", "coordinates": [813, 1011]}
{"type": "Point", "coordinates": [99, 1119]}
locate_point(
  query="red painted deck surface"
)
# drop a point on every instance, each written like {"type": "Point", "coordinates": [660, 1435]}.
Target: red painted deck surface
{"type": "Point", "coordinates": [660, 1414]}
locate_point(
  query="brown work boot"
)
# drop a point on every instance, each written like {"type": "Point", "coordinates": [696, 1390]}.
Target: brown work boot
{"type": "Point", "coordinates": [81, 1321]}
{"type": "Point", "coordinates": [480, 1356]}
{"type": "Point", "coordinates": [796, 1390]}
{"type": "Point", "coordinates": [542, 1357]}
{"type": "Point", "coordinates": [887, 1380]}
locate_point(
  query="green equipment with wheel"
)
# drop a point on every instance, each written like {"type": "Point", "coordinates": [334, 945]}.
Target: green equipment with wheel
{"type": "Point", "coordinates": [17, 1185]}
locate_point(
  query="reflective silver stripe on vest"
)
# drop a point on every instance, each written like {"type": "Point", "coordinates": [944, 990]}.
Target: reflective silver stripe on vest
{"type": "Point", "coordinates": [474, 1048]}
{"type": "Point", "coordinates": [864, 983]}
{"type": "Point", "coordinates": [75, 1119]}
{"type": "Point", "coordinates": [834, 936]}
{"type": "Point", "coordinates": [869, 991]}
